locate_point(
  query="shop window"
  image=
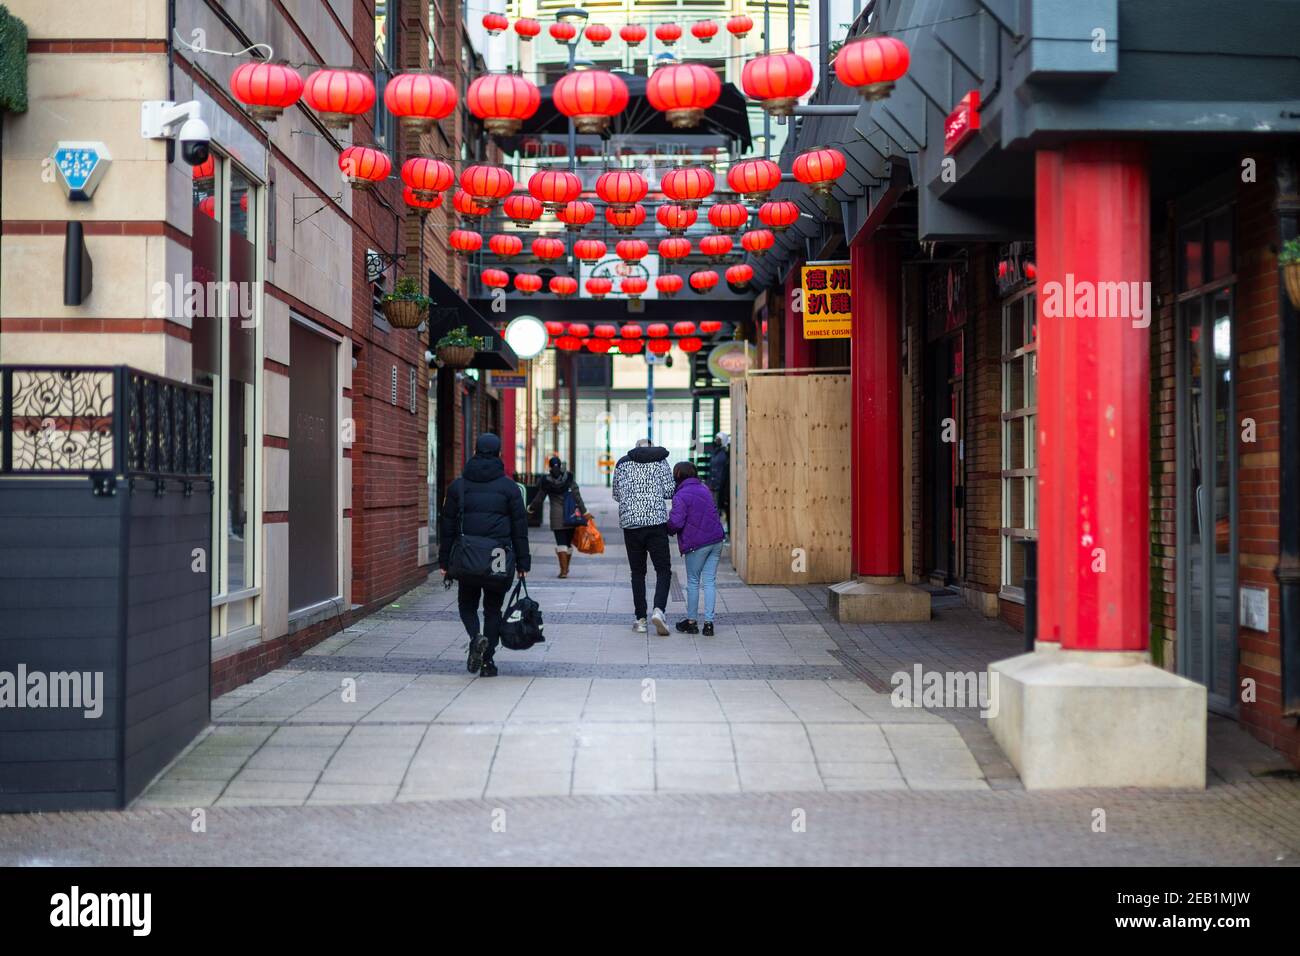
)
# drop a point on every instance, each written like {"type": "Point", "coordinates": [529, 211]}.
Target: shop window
{"type": "Point", "coordinates": [1019, 450]}
{"type": "Point", "coordinates": [385, 57]}
{"type": "Point", "coordinates": [227, 245]}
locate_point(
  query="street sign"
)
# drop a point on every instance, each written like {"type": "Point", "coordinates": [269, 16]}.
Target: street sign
{"type": "Point", "coordinates": [498, 379]}
{"type": "Point", "coordinates": [827, 299]}
{"type": "Point", "coordinates": [962, 123]}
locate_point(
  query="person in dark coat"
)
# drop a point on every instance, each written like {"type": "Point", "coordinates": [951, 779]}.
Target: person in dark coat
{"type": "Point", "coordinates": [720, 475]}
{"type": "Point", "coordinates": [554, 486]}
{"type": "Point", "coordinates": [490, 506]}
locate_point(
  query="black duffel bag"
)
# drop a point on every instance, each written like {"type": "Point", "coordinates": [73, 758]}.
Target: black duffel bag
{"type": "Point", "coordinates": [479, 560]}
{"type": "Point", "coordinates": [521, 624]}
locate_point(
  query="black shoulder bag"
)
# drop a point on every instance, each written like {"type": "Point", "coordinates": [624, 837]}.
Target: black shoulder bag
{"type": "Point", "coordinates": [479, 560]}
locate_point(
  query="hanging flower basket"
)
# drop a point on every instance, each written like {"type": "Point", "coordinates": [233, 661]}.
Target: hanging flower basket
{"type": "Point", "coordinates": [405, 307]}
{"type": "Point", "coordinates": [457, 348]}
{"type": "Point", "coordinates": [1289, 261]}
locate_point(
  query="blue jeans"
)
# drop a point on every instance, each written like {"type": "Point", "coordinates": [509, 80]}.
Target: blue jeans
{"type": "Point", "coordinates": [702, 570]}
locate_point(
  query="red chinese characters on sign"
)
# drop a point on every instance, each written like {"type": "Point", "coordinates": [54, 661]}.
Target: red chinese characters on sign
{"type": "Point", "coordinates": [827, 290]}
{"type": "Point", "coordinates": [962, 123]}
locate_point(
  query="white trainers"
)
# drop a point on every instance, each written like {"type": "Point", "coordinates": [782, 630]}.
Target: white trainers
{"type": "Point", "coordinates": [639, 625]}
{"type": "Point", "coordinates": [661, 625]}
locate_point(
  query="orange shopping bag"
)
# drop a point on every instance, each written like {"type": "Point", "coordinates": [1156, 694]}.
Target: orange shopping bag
{"type": "Point", "coordinates": [587, 538]}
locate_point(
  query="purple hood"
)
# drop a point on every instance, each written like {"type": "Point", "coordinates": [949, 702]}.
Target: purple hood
{"type": "Point", "coordinates": [694, 518]}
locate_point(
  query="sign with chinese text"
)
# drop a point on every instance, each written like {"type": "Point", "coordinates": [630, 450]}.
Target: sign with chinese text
{"type": "Point", "coordinates": [827, 289]}
{"type": "Point", "coordinates": [501, 379]}
{"type": "Point", "coordinates": [962, 123]}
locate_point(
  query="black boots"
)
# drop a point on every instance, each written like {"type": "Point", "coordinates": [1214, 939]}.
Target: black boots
{"type": "Point", "coordinates": [489, 669]}
{"type": "Point", "coordinates": [688, 627]}
{"type": "Point", "coordinates": [477, 648]}
{"type": "Point", "coordinates": [708, 628]}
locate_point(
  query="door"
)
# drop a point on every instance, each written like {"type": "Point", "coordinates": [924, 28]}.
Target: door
{"type": "Point", "coordinates": [314, 450]}
{"type": "Point", "coordinates": [943, 465]}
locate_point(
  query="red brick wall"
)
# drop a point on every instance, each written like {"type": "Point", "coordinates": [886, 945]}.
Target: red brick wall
{"type": "Point", "coordinates": [983, 427]}
{"type": "Point", "coordinates": [1164, 447]}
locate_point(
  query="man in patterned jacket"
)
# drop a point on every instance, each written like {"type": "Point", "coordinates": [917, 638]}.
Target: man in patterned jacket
{"type": "Point", "coordinates": [642, 483]}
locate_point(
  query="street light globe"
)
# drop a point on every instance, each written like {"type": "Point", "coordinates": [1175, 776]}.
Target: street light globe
{"type": "Point", "coordinates": [526, 334]}
{"type": "Point", "coordinates": [584, 65]}
{"type": "Point", "coordinates": [571, 14]}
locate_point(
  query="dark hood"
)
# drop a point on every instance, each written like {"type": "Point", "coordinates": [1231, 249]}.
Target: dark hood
{"type": "Point", "coordinates": [484, 468]}
{"type": "Point", "coordinates": [646, 454]}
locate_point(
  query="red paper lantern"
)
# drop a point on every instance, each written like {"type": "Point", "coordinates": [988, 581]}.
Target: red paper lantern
{"type": "Point", "coordinates": [777, 81]}
{"type": "Point", "coordinates": [710, 326]}
{"type": "Point", "coordinates": [676, 219]}
{"type": "Point", "coordinates": [703, 280]}
{"type": "Point", "coordinates": [554, 329]}
{"type": "Point", "coordinates": [630, 346]}
{"type": "Point", "coordinates": [503, 101]}
{"type": "Point", "coordinates": [625, 220]}
{"type": "Point", "coordinates": [419, 100]}
{"type": "Point", "coordinates": [465, 241]}
{"type": "Point", "coordinates": [267, 89]}
{"type": "Point", "coordinates": [621, 188]}
{"type": "Point", "coordinates": [409, 196]}
{"type": "Point", "coordinates": [580, 329]}
{"type": "Point", "coordinates": [599, 287]}
{"type": "Point", "coordinates": [205, 169]}
{"type": "Point", "coordinates": [599, 346]}
{"type": "Point", "coordinates": [632, 34]}
{"type": "Point", "coordinates": [779, 215]}
{"type": "Point", "coordinates": [527, 28]}
{"type": "Point", "coordinates": [668, 33]}
{"type": "Point", "coordinates": [728, 216]}
{"type": "Point", "coordinates": [363, 166]}
{"type": "Point", "coordinates": [528, 283]}
{"type": "Point", "coordinates": [497, 279]}
{"type": "Point", "coordinates": [757, 241]}
{"type": "Point", "coordinates": [657, 331]}
{"type": "Point", "coordinates": [544, 247]}
{"type": "Point", "coordinates": [704, 30]}
{"type": "Point", "coordinates": [588, 250]}
{"type": "Point", "coordinates": [683, 91]}
{"type": "Point", "coordinates": [338, 96]}
{"type": "Point", "coordinates": [505, 246]}
{"type": "Point", "coordinates": [669, 285]}
{"type": "Point", "coordinates": [872, 64]}
{"type": "Point", "coordinates": [740, 26]}
{"type": "Point", "coordinates": [208, 206]}
{"type": "Point", "coordinates": [590, 98]}
{"type": "Point", "coordinates": [487, 185]}
{"type": "Point", "coordinates": [631, 250]}
{"type": "Point", "coordinates": [522, 209]}
{"type": "Point", "coordinates": [604, 331]}
{"type": "Point", "coordinates": [563, 32]}
{"type": "Point", "coordinates": [660, 346]}
{"type": "Point", "coordinates": [555, 188]}
{"type": "Point", "coordinates": [563, 286]}
{"type": "Point", "coordinates": [575, 214]}
{"type": "Point", "coordinates": [738, 275]}
{"type": "Point", "coordinates": [716, 247]}
{"type": "Point", "coordinates": [687, 185]}
{"type": "Point", "coordinates": [675, 247]}
{"type": "Point", "coordinates": [464, 204]}
{"type": "Point", "coordinates": [754, 177]}
{"type": "Point", "coordinates": [819, 168]}
{"type": "Point", "coordinates": [632, 286]}
{"type": "Point", "coordinates": [427, 177]}
{"type": "Point", "coordinates": [495, 24]}
{"type": "Point", "coordinates": [598, 33]}
{"type": "Point", "coordinates": [683, 328]}
{"type": "Point", "coordinates": [569, 343]}
{"type": "Point", "coordinates": [690, 345]}
{"type": "Point", "coordinates": [630, 330]}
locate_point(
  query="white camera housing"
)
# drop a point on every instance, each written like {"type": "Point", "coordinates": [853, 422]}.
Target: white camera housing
{"type": "Point", "coordinates": [182, 122]}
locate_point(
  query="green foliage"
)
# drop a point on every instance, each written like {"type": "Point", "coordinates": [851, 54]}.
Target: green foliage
{"type": "Point", "coordinates": [407, 290]}
{"type": "Point", "coordinates": [460, 337]}
{"type": "Point", "coordinates": [13, 63]}
{"type": "Point", "coordinates": [1290, 252]}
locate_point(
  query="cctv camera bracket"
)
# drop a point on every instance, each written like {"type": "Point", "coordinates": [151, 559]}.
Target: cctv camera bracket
{"type": "Point", "coordinates": [162, 119]}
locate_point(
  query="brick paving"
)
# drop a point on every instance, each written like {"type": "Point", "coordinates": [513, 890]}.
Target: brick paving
{"type": "Point", "coordinates": [606, 746]}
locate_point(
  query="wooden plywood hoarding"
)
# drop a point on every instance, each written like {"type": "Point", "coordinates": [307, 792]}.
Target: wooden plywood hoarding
{"type": "Point", "coordinates": [790, 478]}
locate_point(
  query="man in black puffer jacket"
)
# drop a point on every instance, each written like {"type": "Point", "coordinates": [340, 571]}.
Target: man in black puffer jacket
{"type": "Point", "coordinates": [493, 508]}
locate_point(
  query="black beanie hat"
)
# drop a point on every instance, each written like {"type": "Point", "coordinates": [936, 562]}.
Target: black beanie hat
{"type": "Point", "coordinates": [488, 444]}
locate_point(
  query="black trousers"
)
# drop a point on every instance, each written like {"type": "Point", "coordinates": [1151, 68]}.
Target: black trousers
{"type": "Point", "coordinates": [652, 541]}
{"type": "Point", "coordinates": [467, 599]}
{"type": "Point", "coordinates": [563, 536]}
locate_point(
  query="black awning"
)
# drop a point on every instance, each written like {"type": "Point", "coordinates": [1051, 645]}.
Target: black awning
{"type": "Point", "coordinates": [448, 311]}
{"type": "Point", "coordinates": [728, 118]}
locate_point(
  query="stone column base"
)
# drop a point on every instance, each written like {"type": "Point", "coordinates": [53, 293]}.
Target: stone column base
{"type": "Point", "coordinates": [877, 601]}
{"type": "Point", "coordinates": [1069, 718]}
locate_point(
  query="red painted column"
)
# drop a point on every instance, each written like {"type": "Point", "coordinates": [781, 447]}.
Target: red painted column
{"type": "Point", "coordinates": [877, 475]}
{"type": "Point", "coordinates": [509, 440]}
{"type": "Point", "coordinates": [1093, 232]}
{"type": "Point", "coordinates": [797, 351]}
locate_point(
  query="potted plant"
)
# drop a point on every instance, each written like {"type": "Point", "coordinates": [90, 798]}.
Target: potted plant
{"type": "Point", "coordinates": [1289, 260]}
{"type": "Point", "coordinates": [405, 307]}
{"type": "Point", "coordinates": [456, 349]}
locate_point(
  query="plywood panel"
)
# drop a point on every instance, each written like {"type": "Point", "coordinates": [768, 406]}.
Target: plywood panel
{"type": "Point", "coordinates": [792, 479]}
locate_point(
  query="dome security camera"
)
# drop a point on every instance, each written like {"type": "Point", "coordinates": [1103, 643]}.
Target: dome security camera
{"type": "Point", "coordinates": [180, 122]}
{"type": "Point", "coordinates": [195, 137]}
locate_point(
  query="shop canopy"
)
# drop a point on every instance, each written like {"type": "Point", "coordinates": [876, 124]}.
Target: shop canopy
{"type": "Point", "coordinates": [449, 311]}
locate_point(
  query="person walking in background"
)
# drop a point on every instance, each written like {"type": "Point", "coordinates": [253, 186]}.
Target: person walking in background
{"type": "Point", "coordinates": [695, 521]}
{"type": "Point", "coordinates": [720, 474]}
{"type": "Point", "coordinates": [642, 483]}
{"type": "Point", "coordinates": [556, 485]}
{"type": "Point", "coordinates": [485, 503]}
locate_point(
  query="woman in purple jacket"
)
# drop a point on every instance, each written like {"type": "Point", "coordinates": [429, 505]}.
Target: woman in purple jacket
{"type": "Point", "coordinates": [694, 519]}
